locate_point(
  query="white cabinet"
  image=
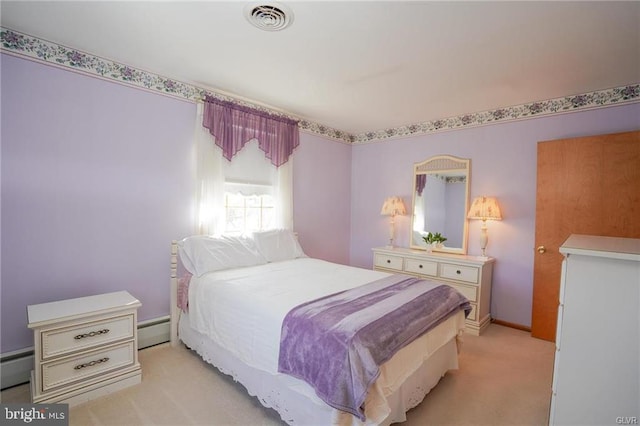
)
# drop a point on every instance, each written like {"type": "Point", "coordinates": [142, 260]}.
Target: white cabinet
{"type": "Point", "coordinates": [470, 275]}
{"type": "Point", "coordinates": [84, 347]}
{"type": "Point", "coordinates": [596, 377]}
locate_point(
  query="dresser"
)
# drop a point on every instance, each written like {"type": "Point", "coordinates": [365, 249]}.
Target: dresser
{"type": "Point", "coordinates": [470, 275]}
{"type": "Point", "coordinates": [84, 348]}
{"type": "Point", "coordinates": [596, 375]}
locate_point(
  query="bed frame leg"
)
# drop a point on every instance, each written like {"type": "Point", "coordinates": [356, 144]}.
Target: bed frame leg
{"type": "Point", "coordinates": [174, 311]}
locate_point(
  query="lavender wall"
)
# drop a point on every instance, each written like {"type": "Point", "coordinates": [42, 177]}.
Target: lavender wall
{"type": "Point", "coordinates": [96, 182]}
{"type": "Point", "coordinates": [503, 164]}
{"type": "Point", "coordinates": [322, 197]}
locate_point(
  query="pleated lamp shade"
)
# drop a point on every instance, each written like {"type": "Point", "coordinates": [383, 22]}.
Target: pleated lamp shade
{"type": "Point", "coordinates": [393, 206]}
{"type": "Point", "coordinates": [485, 208]}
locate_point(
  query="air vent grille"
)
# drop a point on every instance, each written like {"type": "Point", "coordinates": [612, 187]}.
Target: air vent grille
{"type": "Point", "coordinates": [269, 17]}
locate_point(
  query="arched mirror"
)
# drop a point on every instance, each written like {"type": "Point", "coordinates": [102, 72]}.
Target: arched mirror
{"type": "Point", "coordinates": [440, 203]}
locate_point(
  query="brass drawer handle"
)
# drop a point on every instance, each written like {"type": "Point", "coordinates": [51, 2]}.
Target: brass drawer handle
{"type": "Point", "coordinates": [91, 334]}
{"type": "Point", "coordinates": [91, 364]}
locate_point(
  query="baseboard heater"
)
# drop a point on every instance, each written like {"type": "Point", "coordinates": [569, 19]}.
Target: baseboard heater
{"type": "Point", "coordinates": [16, 366]}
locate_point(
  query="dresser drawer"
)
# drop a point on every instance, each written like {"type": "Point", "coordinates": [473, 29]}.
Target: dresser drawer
{"type": "Point", "coordinates": [71, 369]}
{"type": "Point", "coordinates": [459, 273]}
{"type": "Point", "coordinates": [60, 341]}
{"type": "Point", "coordinates": [388, 261]}
{"type": "Point", "coordinates": [416, 266]}
{"type": "Point", "coordinates": [468, 291]}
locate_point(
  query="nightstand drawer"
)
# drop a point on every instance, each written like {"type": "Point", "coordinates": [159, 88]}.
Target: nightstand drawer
{"type": "Point", "coordinates": [459, 273]}
{"type": "Point", "coordinates": [422, 267]}
{"type": "Point", "coordinates": [470, 292]}
{"type": "Point", "coordinates": [99, 362]}
{"type": "Point", "coordinates": [60, 341]}
{"type": "Point", "coordinates": [84, 347]}
{"type": "Point", "coordinates": [388, 262]}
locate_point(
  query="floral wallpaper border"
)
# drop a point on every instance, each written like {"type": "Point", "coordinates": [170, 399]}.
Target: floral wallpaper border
{"type": "Point", "coordinates": [24, 45]}
{"type": "Point", "coordinates": [600, 98]}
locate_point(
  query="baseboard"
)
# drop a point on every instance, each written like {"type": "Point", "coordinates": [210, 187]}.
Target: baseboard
{"type": "Point", "coordinates": [512, 325]}
{"type": "Point", "coordinates": [153, 332]}
{"type": "Point", "coordinates": [16, 366]}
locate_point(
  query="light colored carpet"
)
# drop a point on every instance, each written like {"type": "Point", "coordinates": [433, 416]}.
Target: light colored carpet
{"type": "Point", "coordinates": [504, 379]}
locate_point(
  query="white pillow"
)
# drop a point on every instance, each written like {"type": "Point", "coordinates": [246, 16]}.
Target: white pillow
{"type": "Point", "coordinates": [278, 244]}
{"type": "Point", "coordinates": [202, 254]}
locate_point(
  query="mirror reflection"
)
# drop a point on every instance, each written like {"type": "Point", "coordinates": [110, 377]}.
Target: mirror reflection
{"type": "Point", "coordinates": [440, 203]}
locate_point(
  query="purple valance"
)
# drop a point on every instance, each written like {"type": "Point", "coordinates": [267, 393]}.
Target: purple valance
{"type": "Point", "coordinates": [234, 125]}
{"type": "Point", "coordinates": [421, 181]}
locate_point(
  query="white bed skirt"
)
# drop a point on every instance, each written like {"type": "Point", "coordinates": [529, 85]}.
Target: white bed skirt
{"type": "Point", "coordinates": [403, 383]}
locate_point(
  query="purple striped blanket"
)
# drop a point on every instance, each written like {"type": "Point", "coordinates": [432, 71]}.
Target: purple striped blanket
{"type": "Point", "coordinates": [337, 343]}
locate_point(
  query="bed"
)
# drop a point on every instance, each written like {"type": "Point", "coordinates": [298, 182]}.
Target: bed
{"type": "Point", "coordinates": [234, 301]}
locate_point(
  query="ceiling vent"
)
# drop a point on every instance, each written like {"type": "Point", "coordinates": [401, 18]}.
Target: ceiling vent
{"type": "Point", "coordinates": [269, 17]}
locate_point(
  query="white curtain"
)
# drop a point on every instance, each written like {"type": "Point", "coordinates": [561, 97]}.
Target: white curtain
{"type": "Point", "coordinates": [209, 180]}
{"type": "Point", "coordinates": [249, 168]}
{"type": "Point", "coordinates": [284, 195]}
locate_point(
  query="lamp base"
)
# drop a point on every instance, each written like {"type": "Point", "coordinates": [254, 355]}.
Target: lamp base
{"type": "Point", "coordinates": [392, 232]}
{"type": "Point", "coordinates": [484, 238]}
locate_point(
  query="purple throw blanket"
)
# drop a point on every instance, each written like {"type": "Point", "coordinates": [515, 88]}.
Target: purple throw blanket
{"type": "Point", "coordinates": [337, 343]}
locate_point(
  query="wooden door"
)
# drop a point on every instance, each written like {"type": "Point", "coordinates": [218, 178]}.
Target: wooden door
{"type": "Point", "coordinates": [588, 185]}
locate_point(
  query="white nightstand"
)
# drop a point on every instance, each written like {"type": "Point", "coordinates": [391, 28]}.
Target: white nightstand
{"type": "Point", "coordinates": [470, 275]}
{"type": "Point", "coordinates": [84, 348]}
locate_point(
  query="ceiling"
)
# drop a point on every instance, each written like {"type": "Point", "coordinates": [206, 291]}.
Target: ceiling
{"type": "Point", "coordinates": [359, 66]}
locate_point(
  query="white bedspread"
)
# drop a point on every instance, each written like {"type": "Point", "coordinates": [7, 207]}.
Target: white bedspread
{"type": "Point", "coordinates": [243, 309]}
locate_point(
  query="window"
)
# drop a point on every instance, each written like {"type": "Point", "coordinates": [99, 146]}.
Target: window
{"type": "Point", "coordinates": [248, 213]}
{"type": "Point", "coordinates": [250, 182]}
{"type": "Point", "coordinates": [244, 195]}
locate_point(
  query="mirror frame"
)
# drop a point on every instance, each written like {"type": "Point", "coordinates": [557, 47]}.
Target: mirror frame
{"type": "Point", "coordinates": [435, 165]}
